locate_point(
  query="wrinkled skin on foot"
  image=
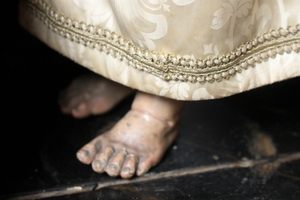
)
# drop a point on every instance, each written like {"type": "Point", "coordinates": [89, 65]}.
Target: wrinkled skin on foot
{"type": "Point", "coordinates": [138, 141]}
{"type": "Point", "coordinates": [90, 95]}
{"type": "Point", "coordinates": [135, 144]}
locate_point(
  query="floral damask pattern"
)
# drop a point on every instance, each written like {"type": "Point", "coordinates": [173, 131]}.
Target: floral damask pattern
{"type": "Point", "coordinates": [230, 12]}
{"type": "Point", "coordinates": [97, 12]}
{"type": "Point", "coordinates": [177, 90]}
{"type": "Point", "coordinates": [260, 16]}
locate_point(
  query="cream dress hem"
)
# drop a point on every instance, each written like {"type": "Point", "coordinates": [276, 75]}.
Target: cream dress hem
{"type": "Point", "coordinates": [185, 50]}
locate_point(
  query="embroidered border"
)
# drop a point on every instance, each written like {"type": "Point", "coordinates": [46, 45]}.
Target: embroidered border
{"type": "Point", "coordinates": [167, 66]}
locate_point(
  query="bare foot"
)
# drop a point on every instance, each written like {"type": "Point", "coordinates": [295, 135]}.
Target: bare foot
{"type": "Point", "coordinates": [138, 141]}
{"type": "Point", "coordinates": [91, 94]}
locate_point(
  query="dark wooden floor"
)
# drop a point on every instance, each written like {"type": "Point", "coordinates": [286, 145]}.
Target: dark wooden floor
{"type": "Point", "coordinates": [243, 147]}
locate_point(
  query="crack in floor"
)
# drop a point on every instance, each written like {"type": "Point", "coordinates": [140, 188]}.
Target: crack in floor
{"type": "Point", "coordinates": [283, 158]}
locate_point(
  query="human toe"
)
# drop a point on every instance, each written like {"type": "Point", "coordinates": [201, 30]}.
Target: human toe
{"type": "Point", "coordinates": [129, 166]}
{"type": "Point", "coordinates": [144, 165]}
{"type": "Point", "coordinates": [115, 164]}
{"type": "Point", "coordinates": [80, 111]}
{"type": "Point", "coordinates": [86, 154]}
{"type": "Point", "coordinates": [101, 159]}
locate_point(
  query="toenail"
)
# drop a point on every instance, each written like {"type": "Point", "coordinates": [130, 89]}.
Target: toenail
{"type": "Point", "coordinates": [113, 168]}
{"type": "Point", "coordinates": [141, 172]}
{"type": "Point", "coordinates": [84, 153]}
{"type": "Point", "coordinates": [125, 170]}
{"type": "Point", "coordinates": [98, 165]}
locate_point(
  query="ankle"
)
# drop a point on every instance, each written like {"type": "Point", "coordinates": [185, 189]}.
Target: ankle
{"type": "Point", "coordinates": [167, 110]}
{"type": "Point", "coordinates": [148, 115]}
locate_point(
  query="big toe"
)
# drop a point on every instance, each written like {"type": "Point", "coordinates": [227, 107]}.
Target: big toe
{"type": "Point", "coordinates": [80, 111]}
{"type": "Point", "coordinates": [86, 154]}
{"type": "Point", "coordinates": [144, 165]}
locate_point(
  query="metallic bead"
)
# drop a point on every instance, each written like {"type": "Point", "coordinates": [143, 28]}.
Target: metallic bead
{"type": "Point", "coordinates": [114, 37]}
{"type": "Point", "coordinates": [111, 52]}
{"type": "Point", "coordinates": [225, 74]}
{"type": "Point", "coordinates": [98, 46]}
{"type": "Point", "coordinates": [107, 34]}
{"type": "Point", "coordinates": [232, 56]}
{"type": "Point", "coordinates": [238, 52]}
{"type": "Point", "coordinates": [254, 42]}
{"type": "Point", "coordinates": [296, 47]}
{"type": "Point", "coordinates": [244, 65]}
{"type": "Point", "coordinates": [238, 68]}
{"type": "Point", "coordinates": [75, 24]}
{"type": "Point", "coordinates": [225, 60]}
{"type": "Point", "coordinates": [249, 46]}
{"type": "Point", "coordinates": [139, 52]}
{"type": "Point", "coordinates": [280, 50]}
{"type": "Point", "coordinates": [130, 63]}
{"type": "Point", "coordinates": [131, 49]}
{"type": "Point", "coordinates": [126, 45]}
{"type": "Point", "coordinates": [82, 41]}
{"type": "Point", "coordinates": [283, 32]}
{"type": "Point", "coordinates": [217, 76]}
{"type": "Point", "coordinates": [200, 64]}
{"type": "Point", "coordinates": [292, 29]}
{"type": "Point", "coordinates": [62, 19]}
{"type": "Point", "coordinates": [182, 62]}
{"type": "Point", "coordinates": [275, 34]}
{"type": "Point", "coordinates": [216, 61]}
{"type": "Point", "coordinates": [287, 48]}
{"type": "Point", "coordinates": [83, 26]}
{"type": "Point", "coordinates": [103, 48]}
{"type": "Point", "coordinates": [91, 28]}
{"type": "Point", "coordinates": [267, 36]}
{"type": "Point", "coordinates": [62, 33]}
{"type": "Point", "coordinates": [209, 63]}
{"type": "Point", "coordinates": [68, 22]}
{"type": "Point", "coordinates": [231, 71]}
{"type": "Point", "coordinates": [68, 36]}
{"type": "Point", "coordinates": [181, 77]}
{"type": "Point", "coordinates": [154, 57]}
{"type": "Point", "coordinates": [261, 39]}
{"type": "Point", "coordinates": [161, 57]}
{"type": "Point", "coordinates": [191, 78]}
{"type": "Point", "coordinates": [200, 78]}
{"type": "Point", "coordinates": [209, 78]}
{"type": "Point", "coordinates": [117, 55]}
{"type": "Point", "coordinates": [121, 40]}
{"type": "Point", "coordinates": [99, 31]}
{"type": "Point", "coordinates": [272, 53]}
{"type": "Point", "coordinates": [251, 61]}
{"type": "Point", "coordinates": [264, 55]}
{"type": "Point", "coordinates": [145, 54]}
{"type": "Point", "coordinates": [257, 58]}
{"type": "Point", "coordinates": [191, 63]}
{"type": "Point", "coordinates": [174, 60]}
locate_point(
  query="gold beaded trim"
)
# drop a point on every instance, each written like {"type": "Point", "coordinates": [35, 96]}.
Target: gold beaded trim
{"type": "Point", "coordinates": [167, 66]}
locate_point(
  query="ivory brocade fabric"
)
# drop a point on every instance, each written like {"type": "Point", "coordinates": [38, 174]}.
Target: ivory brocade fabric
{"type": "Point", "coordinates": [180, 49]}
